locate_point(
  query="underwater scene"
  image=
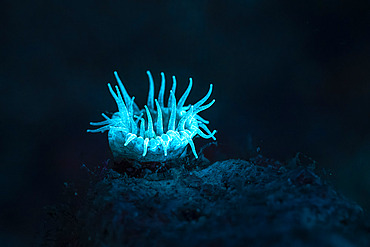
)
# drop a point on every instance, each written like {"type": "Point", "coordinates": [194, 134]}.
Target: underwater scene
{"type": "Point", "coordinates": [185, 123]}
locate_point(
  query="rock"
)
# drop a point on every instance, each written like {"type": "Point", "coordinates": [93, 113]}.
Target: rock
{"type": "Point", "coordinates": [259, 202]}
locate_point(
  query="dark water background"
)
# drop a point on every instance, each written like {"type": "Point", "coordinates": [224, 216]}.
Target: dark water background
{"type": "Point", "coordinates": [289, 76]}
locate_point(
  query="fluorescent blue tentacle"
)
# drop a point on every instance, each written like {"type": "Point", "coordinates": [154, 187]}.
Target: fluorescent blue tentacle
{"type": "Point", "coordinates": [199, 118]}
{"type": "Point", "coordinates": [200, 102]}
{"type": "Point", "coordinates": [173, 90]}
{"type": "Point", "coordinates": [205, 107]}
{"type": "Point", "coordinates": [190, 141]}
{"type": "Point", "coordinates": [207, 136]}
{"type": "Point", "coordinates": [185, 95]}
{"type": "Point", "coordinates": [171, 123]}
{"type": "Point", "coordinates": [146, 141]}
{"type": "Point", "coordinates": [124, 92]}
{"type": "Point", "coordinates": [161, 90]}
{"type": "Point", "coordinates": [101, 129]}
{"type": "Point", "coordinates": [151, 132]}
{"type": "Point", "coordinates": [150, 102]}
{"type": "Point", "coordinates": [101, 123]}
{"type": "Point", "coordinates": [142, 127]}
{"type": "Point", "coordinates": [130, 137]}
{"type": "Point", "coordinates": [182, 122]}
{"type": "Point", "coordinates": [105, 116]}
{"type": "Point", "coordinates": [159, 119]}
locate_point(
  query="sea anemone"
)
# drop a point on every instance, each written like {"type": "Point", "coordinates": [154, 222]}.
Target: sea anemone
{"type": "Point", "coordinates": [132, 134]}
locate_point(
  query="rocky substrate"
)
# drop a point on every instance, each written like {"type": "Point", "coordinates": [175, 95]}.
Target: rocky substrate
{"type": "Point", "coordinates": [259, 202]}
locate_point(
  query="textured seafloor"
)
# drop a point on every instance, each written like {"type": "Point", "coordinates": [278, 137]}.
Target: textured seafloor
{"type": "Point", "coordinates": [259, 202]}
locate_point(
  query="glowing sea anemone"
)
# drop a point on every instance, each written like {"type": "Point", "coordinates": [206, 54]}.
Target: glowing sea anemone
{"type": "Point", "coordinates": [133, 135]}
